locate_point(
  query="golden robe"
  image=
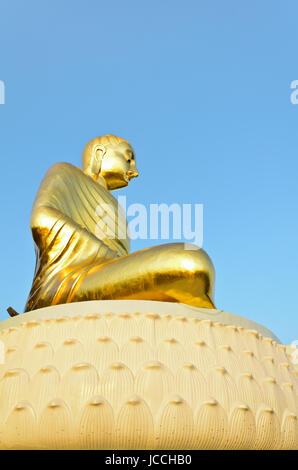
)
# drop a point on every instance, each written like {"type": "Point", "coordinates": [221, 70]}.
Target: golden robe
{"type": "Point", "coordinates": [64, 221]}
{"type": "Point", "coordinates": [82, 247]}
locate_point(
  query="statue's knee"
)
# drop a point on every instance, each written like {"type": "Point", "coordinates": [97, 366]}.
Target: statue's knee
{"type": "Point", "coordinates": [188, 259]}
{"type": "Point", "coordinates": [196, 262]}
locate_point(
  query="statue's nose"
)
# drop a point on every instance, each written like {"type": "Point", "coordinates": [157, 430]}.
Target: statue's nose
{"type": "Point", "coordinates": [133, 173]}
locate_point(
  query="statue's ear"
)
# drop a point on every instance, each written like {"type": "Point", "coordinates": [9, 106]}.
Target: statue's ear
{"type": "Point", "coordinates": [98, 154]}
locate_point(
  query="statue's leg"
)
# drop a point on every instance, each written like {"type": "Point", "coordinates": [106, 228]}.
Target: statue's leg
{"type": "Point", "coordinates": [165, 272]}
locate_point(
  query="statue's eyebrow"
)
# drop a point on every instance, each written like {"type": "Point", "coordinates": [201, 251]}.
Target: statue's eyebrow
{"type": "Point", "coordinates": [130, 153]}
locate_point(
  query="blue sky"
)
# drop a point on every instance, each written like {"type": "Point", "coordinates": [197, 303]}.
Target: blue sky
{"type": "Point", "coordinates": [202, 90]}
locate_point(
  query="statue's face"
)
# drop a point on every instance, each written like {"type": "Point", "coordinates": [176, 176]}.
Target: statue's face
{"type": "Point", "coordinates": [118, 165]}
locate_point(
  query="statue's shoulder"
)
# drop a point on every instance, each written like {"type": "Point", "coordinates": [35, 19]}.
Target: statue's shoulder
{"type": "Point", "coordinates": [61, 167]}
{"type": "Point", "coordinates": [59, 178]}
{"type": "Point", "coordinates": [61, 171]}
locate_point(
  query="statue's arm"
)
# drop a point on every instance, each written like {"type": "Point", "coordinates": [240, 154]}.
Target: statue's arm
{"type": "Point", "coordinates": [49, 222]}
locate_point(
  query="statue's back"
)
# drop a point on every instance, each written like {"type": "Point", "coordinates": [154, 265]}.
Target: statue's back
{"type": "Point", "coordinates": [73, 221]}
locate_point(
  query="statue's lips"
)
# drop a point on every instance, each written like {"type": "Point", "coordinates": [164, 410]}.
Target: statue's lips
{"type": "Point", "coordinates": [132, 174]}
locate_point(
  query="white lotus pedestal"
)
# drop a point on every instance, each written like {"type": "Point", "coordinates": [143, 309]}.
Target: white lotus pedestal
{"type": "Point", "coordinates": [144, 375]}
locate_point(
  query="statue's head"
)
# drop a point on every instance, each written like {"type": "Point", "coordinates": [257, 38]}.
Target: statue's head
{"type": "Point", "coordinates": [112, 158]}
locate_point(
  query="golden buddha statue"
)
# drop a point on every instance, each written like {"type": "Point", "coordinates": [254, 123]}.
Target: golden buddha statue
{"type": "Point", "coordinates": [76, 257]}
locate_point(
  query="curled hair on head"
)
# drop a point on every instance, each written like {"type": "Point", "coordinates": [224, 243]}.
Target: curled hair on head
{"type": "Point", "coordinates": [108, 139]}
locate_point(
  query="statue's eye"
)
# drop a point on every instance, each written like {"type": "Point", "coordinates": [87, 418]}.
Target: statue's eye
{"type": "Point", "coordinates": [129, 156]}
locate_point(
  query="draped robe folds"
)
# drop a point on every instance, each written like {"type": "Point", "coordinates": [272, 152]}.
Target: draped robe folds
{"type": "Point", "coordinates": [82, 250]}
{"type": "Point", "coordinates": [72, 222]}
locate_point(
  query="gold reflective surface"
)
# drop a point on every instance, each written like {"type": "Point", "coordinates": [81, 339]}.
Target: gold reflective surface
{"type": "Point", "coordinates": [82, 250]}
